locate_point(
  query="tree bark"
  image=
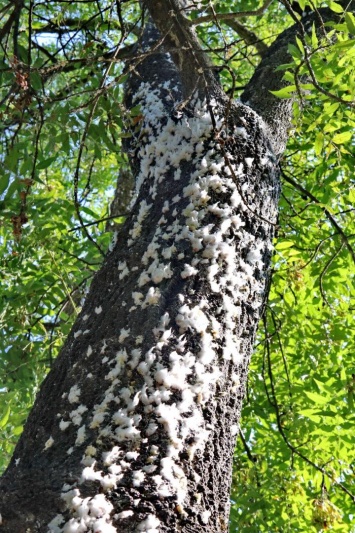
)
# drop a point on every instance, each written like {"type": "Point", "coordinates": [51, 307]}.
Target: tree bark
{"type": "Point", "coordinates": [134, 428]}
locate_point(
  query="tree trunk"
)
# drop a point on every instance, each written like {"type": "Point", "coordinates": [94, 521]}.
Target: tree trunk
{"type": "Point", "coordinates": [134, 427]}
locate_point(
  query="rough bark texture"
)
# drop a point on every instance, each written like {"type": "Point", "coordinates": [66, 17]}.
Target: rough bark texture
{"type": "Point", "coordinates": [123, 197]}
{"type": "Point", "coordinates": [134, 428]}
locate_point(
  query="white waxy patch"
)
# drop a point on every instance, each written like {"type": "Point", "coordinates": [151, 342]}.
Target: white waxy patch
{"type": "Point", "coordinates": [234, 429]}
{"type": "Point", "coordinates": [76, 414]}
{"type": "Point", "coordinates": [111, 457]}
{"type": "Point", "coordinates": [98, 310]}
{"type": "Point", "coordinates": [122, 266]}
{"type": "Point", "coordinates": [188, 271]}
{"type": "Point", "coordinates": [205, 516]}
{"type": "Point", "coordinates": [89, 514]}
{"type": "Point", "coordinates": [63, 425]}
{"type": "Point", "coordinates": [135, 356]}
{"type": "Point", "coordinates": [143, 278]}
{"type": "Point", "coordinates": [124, 514]}
{"type": "Point", "coordinates": [151, 429]}
{"type": "Point", "coordinates": [132, 456]}
{"type": "Point", "coordinates": [241, 131]}
{"type": "Point", "coordinates": [159, 271]}
{"type": "Point", "coordinates": [149, 469]}
{"type": "Point", "coordinates": [153, 297]}
{"type": "Point", "coordinates": [97, 420]}
{"type": "Point", "coordinates": [137, 226]}
{"type": "Point", "coordinates": [74, 394]}
{"type": "Point", "coordinates": [192, 318]}
{"type": "Point", "coordinates": [124, 334]}
{"type": "Point", "coordinates": [138, 478]}
{"type": "Point", "coordinates": [149, 525]}
{"type": "Point", "coordinates": [255, 255]}
{"type": "Point", "coordinates": [167, 253]}
{"type": "Point", "coordinates": [48, 443]}
{"type": "Point", "coordinates": [137, 297]}
{"type": "Point", "coordinates": [91, 450]}
{"type": "Point", "coordinates": [80, 438]}
{"type": "Point", "coordinates": [55, 525]}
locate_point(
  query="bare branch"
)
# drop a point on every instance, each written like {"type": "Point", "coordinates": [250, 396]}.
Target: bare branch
{"type": "Point", "coordinates": [97, 222]}
{"type": "Point", "coordinates": [232, 16]}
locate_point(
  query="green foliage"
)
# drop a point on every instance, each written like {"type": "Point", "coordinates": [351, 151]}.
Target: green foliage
{"type": "Point", "coordinates": [294, 467]}
{"type": "Point", "coordinates": [62, 121]}
{"type": "Point", "coordinates": [60, 151]}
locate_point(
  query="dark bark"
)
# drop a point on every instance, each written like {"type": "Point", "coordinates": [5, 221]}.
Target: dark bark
{"type": "Point", "coordinates": [134, 428]}
{"type": "Point", "coordinates": [123, 196]}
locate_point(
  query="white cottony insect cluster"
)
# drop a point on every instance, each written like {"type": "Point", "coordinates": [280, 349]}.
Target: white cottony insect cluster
{"type": "Point", "coordinates": [215, 232]}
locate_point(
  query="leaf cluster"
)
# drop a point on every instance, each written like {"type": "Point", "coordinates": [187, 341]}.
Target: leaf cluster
{"type": "Point", "coordinates": [62, 124]}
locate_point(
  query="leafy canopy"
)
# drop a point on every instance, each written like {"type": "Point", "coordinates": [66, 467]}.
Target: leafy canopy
{"type": "Point", "coordinates": [62, 121]}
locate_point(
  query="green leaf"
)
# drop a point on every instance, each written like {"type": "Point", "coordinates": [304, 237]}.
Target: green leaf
{"type": "Point", "coordinates": [318, 143]}
{"type": "Point", "coordinates": [46, 163]}
{"type": "Point", "coordinates": [4, 182]}
{"type": "Point", "coordinates": [317, 398]}
{"type": "Point", "coordinates": [314, 38]}
{"type": "Point", "coordinates": [11, 160]}
{"type": "Point", "coordinates": [344, 44]}
{"type": "Point", "coordinates": [5, 417]}
{"type": "Point", "coordinates": [337, 8]}
{"type": "Point", "coordinates": [17, 430]}
{"type": "Point", "coordinates": [283, 245]}
{"type": "Point", "coordinates": [294, 51]}
{"type": "Point", "coordinates": [36, 81]}
{"type": "Point", "coordinates": [300, 45]}
{"type": "Point", "coordinates": [343, 137]}
{"type": "Point", "coordinates": [22, 53]}
{"type": "Point", "coordinates": [312, 414]}
{"type": "Point", "coordinates": [350, 22]}
{"type": "Point", "coordinates": [286, 92]}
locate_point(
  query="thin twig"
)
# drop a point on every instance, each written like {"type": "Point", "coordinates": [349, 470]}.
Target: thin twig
{"type": "Point", "coordinates": [295, 449]}
{"type": "Point", "coordinates": [97, 222]}
{"type": "Point", "coordinates": [248, 36]}
{"type": "Point", "coordinates": [326, 266]}
{"type": "Point", "coordinates": [231, 16]}
{"type": "Point", "coordinates": [327, 213]}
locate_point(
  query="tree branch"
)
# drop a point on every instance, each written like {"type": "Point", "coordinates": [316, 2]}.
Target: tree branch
{"type": "Point", "coordinates": [247, 35]}
{"type": "Point", "coordinates": [5, 30]}
{"type": "Point", "coordinates": [192, 63]}
{"type": "Point", "coordinates": [232, 16]}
